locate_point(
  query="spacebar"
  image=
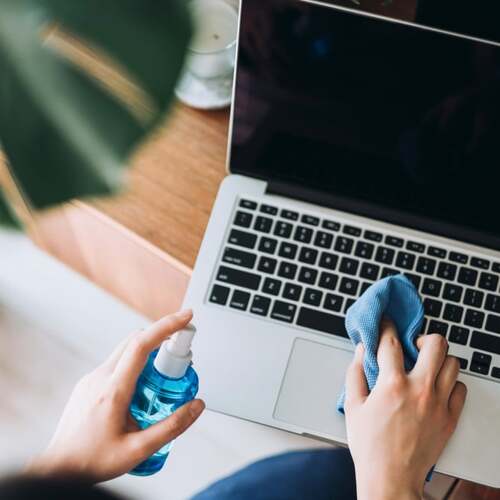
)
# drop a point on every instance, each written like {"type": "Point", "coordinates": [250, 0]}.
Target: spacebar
{"type": "Point", "coordinates": [324, 322]}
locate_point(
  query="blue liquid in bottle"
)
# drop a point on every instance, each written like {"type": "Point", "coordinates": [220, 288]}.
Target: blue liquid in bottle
{"type": "Point", "coordinates": [157, 396]}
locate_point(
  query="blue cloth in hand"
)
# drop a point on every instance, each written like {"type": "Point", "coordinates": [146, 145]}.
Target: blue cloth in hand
{"type": "Point", "coordinates": [397, 298]}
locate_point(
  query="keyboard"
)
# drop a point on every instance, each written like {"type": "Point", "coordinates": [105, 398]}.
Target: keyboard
{"type": "Point", "coordinates": [307, 270]}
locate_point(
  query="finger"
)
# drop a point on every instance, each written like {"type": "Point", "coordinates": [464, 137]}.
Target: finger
{"type": "Point", "coordinates": [447, 377]}
{"type": "Point", "coordinates": [389, 353]}
{"type": "Point", "coordinates": [431, 357]}
{"type": "Point", "coordinates": [144, 443]}
{"type": "Point", "coordinates": [355, 384]}
{"type": "Point", "coordinates": [113, 358]}
{"type": "Point", "coordinates": [457, 401]}
{"type": "Point", "coordinates": [135, 355]}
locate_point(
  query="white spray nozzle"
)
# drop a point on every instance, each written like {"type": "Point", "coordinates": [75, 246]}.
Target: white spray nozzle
{"type": "Point", "coordinates": [174, 356]}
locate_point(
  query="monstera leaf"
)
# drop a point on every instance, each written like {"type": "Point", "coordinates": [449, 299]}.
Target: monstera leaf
{"type": "Point", "coordinates": [82, 82]}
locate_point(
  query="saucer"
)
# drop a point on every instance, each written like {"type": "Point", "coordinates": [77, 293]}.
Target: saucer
{"type": "Point", "coordinates": [204, 94]}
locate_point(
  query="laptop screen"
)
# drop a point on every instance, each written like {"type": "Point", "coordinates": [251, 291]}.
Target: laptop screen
{"type": "Point", "coordinates": [377, 113]}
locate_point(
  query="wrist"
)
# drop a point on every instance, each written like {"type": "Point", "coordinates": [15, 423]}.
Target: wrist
{"type": "Point", "coordinates": [386, 487]}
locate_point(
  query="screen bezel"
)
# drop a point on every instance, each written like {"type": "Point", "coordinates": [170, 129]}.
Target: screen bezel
{"type": "Point", "coordinates": [358, 207]}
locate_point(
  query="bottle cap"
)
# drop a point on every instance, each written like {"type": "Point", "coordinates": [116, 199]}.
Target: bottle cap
{"type": "Point", "coordinates": [174, 356]}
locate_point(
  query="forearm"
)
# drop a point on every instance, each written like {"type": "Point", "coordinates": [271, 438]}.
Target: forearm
{"type": "Point", "coordinates": [386, 488]}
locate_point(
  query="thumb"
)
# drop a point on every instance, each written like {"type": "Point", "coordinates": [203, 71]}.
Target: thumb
{"type": "Point", "coordinates": [150, 440]}
{"type": "Point", "coordinates": [356, 386]}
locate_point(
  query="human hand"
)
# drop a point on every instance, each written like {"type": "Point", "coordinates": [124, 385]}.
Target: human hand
{"type": "Point", "coordinates": [97, 438]}
{"type": "Point", "coordinates": [398, 431]}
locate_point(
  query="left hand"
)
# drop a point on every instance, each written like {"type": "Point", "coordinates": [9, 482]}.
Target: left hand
{"type": "Point", "coordinates": [97, 438]}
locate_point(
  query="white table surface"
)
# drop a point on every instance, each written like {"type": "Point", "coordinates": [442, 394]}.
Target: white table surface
{"type": "Point", "coordinates": [54, 327]}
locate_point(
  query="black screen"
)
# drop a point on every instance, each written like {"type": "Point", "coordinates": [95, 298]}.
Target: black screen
{"type": "Point", "coordinates": [391, 118]}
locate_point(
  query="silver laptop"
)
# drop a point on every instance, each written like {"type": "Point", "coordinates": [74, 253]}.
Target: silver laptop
{"type": "Point", "coordinates": [360, 147]}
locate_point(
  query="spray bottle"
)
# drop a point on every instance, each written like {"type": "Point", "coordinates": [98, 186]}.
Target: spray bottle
{"type": "Point", "coordinates": [167, 382]}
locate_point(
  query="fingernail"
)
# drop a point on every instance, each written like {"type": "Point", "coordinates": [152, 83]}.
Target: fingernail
{"type": "Point", "coordinates": [185, 313]}
{"type": "Point", "coordinates": [197, 406]}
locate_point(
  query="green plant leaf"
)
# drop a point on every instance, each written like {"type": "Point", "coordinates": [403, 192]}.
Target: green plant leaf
{"type": "Point", "coordinates": [66, 133]}
{"type": "Point", "coordinates": [7, 218]}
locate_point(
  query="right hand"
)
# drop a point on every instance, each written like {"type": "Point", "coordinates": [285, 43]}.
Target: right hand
{"type": "Point", "coordinates": [397, 432]}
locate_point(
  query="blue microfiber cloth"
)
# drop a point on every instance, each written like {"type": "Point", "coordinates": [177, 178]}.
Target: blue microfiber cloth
{"type": "Point", "coordinates": [397, 298]}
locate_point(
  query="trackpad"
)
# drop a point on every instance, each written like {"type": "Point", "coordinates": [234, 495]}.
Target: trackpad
{"type": "Point", "coordinates": [313, 380]}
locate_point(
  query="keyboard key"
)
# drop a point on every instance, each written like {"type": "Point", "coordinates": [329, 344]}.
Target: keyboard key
{"type": "Point", "coordinates": [239, 257]}
{"type": "Point", "coordinates": [308, 255]}
{"type": "Point", "coordinates": [271, 286]}
{"type": "Point", "coordinates": [287, 270]}
{"type": "Point", "coordinates": [289, 214]}
{"type": "Point", "coordinates": [480, 363]}
{"type": "Point", "coordinates": [349, 286]}
{"type": "Point", "coordinates": [283, 311]}
{"type": "Point", "coordinates": [480, 263]}
{"type": "Point", "coordinates": [292, 291]}
{"type": "Point", "coordinates": [415, 279]}
{"type": "Point", "coordinates": [260, 305]}
{"type": "Point", "coordinates": [426, 265]}
{"type": "Point", "coordinates": [493, 323]}
{"type": "Point", "coordinates": [452, 292]}
{"type": "Point", "coordinates": [387, 271]}
{"type": "Point", "coordinates": [321, 321]}
{"type": "Point", "coordinates": [467, 276]}
{"type": "Point", "coordinates": [344, 245]}
{"type": "Point", "coordinates": [495, 372]}
{"type": "Point", "coordinates": [405, 260]}
{"type": "Point", "coordinates": [447, 271]}
{"type": "Point", "coordinates": [474, 318]}
{"type": "Point", "coordinates": [240, 300]}
{"type": "Point", "coordinates": [243, 219]}
{"type": "Point", "coordinates": [312, 297]}
{"type": "Point", "coordinates": [485, 342]}
{"type": "Point", "coordinates": [415, 247]}
{"type": "Point", "coordinates": [249, 205]}
{"type": "Point", "coordinates": [349, 266]}
{"type": "Point", "coordinates": [369, 271]}
{"type": "Point", "coordinates": [492, 303]}
{"type": "Point", "coordinates": [436, 252]}
{"type": "Point", "coordinates": [433, 307]}
{"type": "Point", "coordinates": [373, 236]}
{"type": "Point", "coordinates": [239, 278]}
{"type": "Point", "coordinates": [333, 302]}
{"type": "Point", "coordinates": [309, 219]}
{"type": "Point", "coordinates": [463, 363]}
{"type": "Point", "coordinates": [364, 250]}
{"type": "Point", "coordinates": [460, 258]}
{"type": "Point", "coordinates": [364, 287]}
{"type": "Point", "coordinates": [308, 275]}
{"type": "Point", "coordinates": [330, 225]}
{"type": "Point", "coordinates": [352, 231]}
{"type": "Point", "coordinates": [328, 261]}
{"type": "Point", "coordinates": [283, 229]}
{"type": "Point", "coordinates": [488, 281]}
{"type": "Point", "coordinates": [459, 335]}
{"type": "Point", "coordinates": [268, 209]}
{"type": "Point", "coordinates": [438, 327]}
{"type": "Point", "coordinates": [394, 242]}
{"type": "Point", "coordinates": [288, 250]}
{"type": "Point", "coordinates": [268, 245]}
{"type": "Point", "coordinates": [431, 287]}
{"type": "Point", "coordinates": [328, 281]}
{"type": "Point", "coordinates": [473, 298]}
{"type": "Point", "coordinates": [348, 304]}
{"type": "Point", "coordinates": [303, 234]}
{"type": "Point", "coordinates": [242, 239]}
{"type": "Point", "coordinates": [323, 239]}
{"type": "Point", "coordinates": [496, 267]}
{"type": "Point", "coordinates": [267, 265]}
{"type": "Point", "coordinates": [453, 313]}
{"type": "Point", "coordinates": [385, 255]}
{"type": "Point", "coordinates": [263, 224]}
{"type": "Point", "coordinates": [219, 295]}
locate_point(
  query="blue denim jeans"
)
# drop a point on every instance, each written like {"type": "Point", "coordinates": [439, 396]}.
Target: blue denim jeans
{"type": "Point", "coordinates": [305, 475]}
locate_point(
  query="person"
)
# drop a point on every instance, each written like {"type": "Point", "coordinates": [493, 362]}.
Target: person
{"type": "Point", "coordinates": [396, 433]}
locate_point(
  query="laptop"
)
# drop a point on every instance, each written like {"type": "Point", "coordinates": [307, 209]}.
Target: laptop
{"type": "Point", "coordinates": [360, 147]}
